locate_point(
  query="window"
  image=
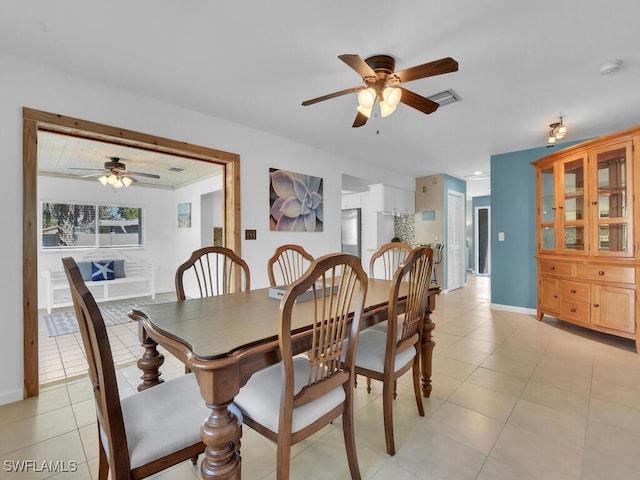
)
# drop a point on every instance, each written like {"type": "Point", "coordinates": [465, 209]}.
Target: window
{"type": "Point", "coordinates": [67, 226]}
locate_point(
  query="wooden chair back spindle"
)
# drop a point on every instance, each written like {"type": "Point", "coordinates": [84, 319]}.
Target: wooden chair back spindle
{"type": "Point", "coordinates": [288, 264]}
{"type": "Point", "coordinates": [215, 271]}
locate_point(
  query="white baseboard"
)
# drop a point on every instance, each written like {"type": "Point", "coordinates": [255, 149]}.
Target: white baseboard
{"type": "Point", "coordinates": [511, 308]}
{"type": "Point", "coordinates": [10, 396]}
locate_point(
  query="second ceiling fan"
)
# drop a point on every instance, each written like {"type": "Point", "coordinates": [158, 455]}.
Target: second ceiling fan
{"type": "Point", "coordinates": [382, 83]}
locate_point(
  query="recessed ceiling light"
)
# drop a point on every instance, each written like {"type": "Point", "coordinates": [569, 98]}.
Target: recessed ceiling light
{"type": "Point", "coordinates": [610, 67]}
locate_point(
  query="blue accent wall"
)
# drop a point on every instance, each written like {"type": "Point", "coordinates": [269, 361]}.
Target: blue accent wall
{"type": "Point", "coordinates": [453, 184]}
{"type": "Point", "coordinates": [513, 205]}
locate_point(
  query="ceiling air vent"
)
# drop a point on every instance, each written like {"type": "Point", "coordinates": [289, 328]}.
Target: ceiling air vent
{"type": "Point", "coordinates": [445, 98]}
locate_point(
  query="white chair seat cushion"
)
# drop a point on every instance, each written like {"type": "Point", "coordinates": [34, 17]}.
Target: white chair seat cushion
{"type": "Point", "coordinates": [382, 326]}
{"type": "Point", "coordinates": [371, 351]}
{"type": "Point", "coordinates": [259, 399]}
{"type": "Point", "coordinates": [164, 419]}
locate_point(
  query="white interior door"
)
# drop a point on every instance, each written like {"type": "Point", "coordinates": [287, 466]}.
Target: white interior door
{"type": "Point", "coordinates": [455, 240]}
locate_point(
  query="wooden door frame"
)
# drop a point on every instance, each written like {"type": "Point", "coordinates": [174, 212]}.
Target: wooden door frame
{"type": "Point", "coordinates": [35, 120]}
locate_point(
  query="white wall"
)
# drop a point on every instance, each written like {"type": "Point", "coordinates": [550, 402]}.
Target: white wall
{"type": "Point", "coordinates": [27, 85]}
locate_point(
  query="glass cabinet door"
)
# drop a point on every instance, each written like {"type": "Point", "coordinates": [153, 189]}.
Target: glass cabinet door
{"type": "Point", "coordinates": [573, 208]}
{"type": "Point", "coordinates": [547, 214]}
{"type": "Point", "coordinates": [611, 200]}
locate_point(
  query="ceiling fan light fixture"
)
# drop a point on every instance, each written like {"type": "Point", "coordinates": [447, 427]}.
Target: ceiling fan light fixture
{"type": "Point", "coordinates": [386, 109]}
{"type": "Point", "coordinates": [392, 96]}
{"type": "Point", "coordinates": [112, 179]}
{"type": "Point", "coordinates": [126, 181]}
{"type": "Point", "coordinates": [365, 111]}
{"type": "Point", "coordinates": [366, 99]}
{"type": "Point", "coordinates": [104, 180]}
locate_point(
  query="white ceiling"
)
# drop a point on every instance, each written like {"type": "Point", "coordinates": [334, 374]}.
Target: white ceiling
{"type": "Point", "coordinates": [521, 65]}
{"type": "Point", "coordinates": [84, 159]}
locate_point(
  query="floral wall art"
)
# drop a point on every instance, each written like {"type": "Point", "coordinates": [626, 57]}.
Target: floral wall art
{"type": "Point", "coordinates": [296, 202]}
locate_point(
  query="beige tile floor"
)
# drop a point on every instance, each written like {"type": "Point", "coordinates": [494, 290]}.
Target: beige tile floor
{"type": "Point", "coordinates": [512, 398]}
{"type": "Point", "coordinates": [62, 358]}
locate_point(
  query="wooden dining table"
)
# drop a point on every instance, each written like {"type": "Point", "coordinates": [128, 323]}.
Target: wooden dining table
{"type": "Point", "coordinates": [225, 339]}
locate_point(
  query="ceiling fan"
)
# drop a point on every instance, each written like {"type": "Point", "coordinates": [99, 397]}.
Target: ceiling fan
{"type": "Point", "coordinates": [382, 83]}
{"type": "Point", "coordinates": [115, 171]}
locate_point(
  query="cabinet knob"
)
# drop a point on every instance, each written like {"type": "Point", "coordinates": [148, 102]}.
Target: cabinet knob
{"type": "Point", "coordinates": [555, 296]}
{"type": "Point", "coordinates": [601, 273]}
{"type": "Point", "coordinates": [552, 267]}
{"type": "Point", "coordinates": [596, 305]}
{"type": "Point", "coordinates": [560, 207]}
{"type": "Point", "coordinates": [594, 203]}
{"type": "Point", "coordinates": [573, 290]}
{"type": "Point", "coordinates": [573, 310]}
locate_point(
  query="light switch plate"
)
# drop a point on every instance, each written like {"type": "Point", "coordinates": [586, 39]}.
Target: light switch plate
{"type": "Point", "coordinates": [501, 236]}
{"type": "Point", "coordinates": [250, 235]}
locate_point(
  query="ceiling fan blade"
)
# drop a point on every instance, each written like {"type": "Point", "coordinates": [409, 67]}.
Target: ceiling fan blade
{"type": "Point", "coordinates": [360, 120]}
{"type": "Point", "coordinates": [437, 67]}
{"type": "Point", "coordinates": [331, 95]}
{"type": "Point", "coordinates": [80, 168]}
{"type": "Point", "coordinates": [358, 64]}
{"type": "Point", "coordinates": [418, 101]}
{"type": "Point", "coordinates": [92, 175]}
{"type": "Point", "coordinates": [139, 174]}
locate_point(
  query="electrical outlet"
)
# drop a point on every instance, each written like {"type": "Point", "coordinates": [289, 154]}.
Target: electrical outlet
{"type": "Point", "coordinates": [250, 235]}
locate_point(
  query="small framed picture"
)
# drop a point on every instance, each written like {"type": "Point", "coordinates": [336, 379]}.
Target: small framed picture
{"type": "Point", "coordinates": [184, 215]}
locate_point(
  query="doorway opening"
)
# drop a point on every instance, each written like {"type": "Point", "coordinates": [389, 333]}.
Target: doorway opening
{"type": "Point", "coordinates": [35, 121]}
{"type": "Point", "coordinates": [482, 222]}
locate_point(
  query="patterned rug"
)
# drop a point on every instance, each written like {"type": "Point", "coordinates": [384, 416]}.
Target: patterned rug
{"type": "Point", "coordinates": [62, 323]}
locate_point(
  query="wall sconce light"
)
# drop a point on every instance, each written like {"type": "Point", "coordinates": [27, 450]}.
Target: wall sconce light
{"type": "Point", "coordinates": [557, 131]}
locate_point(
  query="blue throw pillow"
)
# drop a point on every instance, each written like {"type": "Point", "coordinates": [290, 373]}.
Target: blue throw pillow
{"type": "Point", "coordinates": [102, 271]}
{"type": "Point", "coordinates": [85, 270]}
{"type": "Point", "coordinates": [118, 268]}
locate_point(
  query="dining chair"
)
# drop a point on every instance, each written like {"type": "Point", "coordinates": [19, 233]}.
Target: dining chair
{"type": "Point", "coordinates": [146, 432]}
{"type": "Point", "coordinates": [386, 356]}
{"type": "Point", "coordinates": [292, 260]}
{"type": "Point", "coordinates": [386, 260]}
{"type": "Point", "coordinates": [296, 397]}
{"type": "Point", "coordinates": [383, 264]}
{"type": "Point", "coordinates": [212, 271]}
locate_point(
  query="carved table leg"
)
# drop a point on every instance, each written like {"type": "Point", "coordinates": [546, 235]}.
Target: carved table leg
{"type": "Point", "coordinates": [221, 433]}
{"type": "Point", "coordinates": [150, 362]}
{"type": "Point", "coordinates": [426, 355]}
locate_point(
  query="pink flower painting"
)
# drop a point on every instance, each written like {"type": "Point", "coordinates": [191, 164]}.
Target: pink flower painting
{"type": "Point", "coordinates": [296, 202]}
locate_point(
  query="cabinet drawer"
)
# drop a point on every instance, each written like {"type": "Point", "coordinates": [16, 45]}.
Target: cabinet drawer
{"type": "Point", "coordinates": [607, 273]}
{"type": "Point", "coordinates": [575, 291]}
{"type": "Point", "coordinates": [575, 311]}
{"type": "Point", "coordinates": [556, 268]}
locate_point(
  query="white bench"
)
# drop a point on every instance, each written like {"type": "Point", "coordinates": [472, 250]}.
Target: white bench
{"type": "Point", "coordinates": [139, 281]}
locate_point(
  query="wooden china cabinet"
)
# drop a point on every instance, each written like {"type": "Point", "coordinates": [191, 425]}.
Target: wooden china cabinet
{"type": "Point", "coordinates": [588, 233]}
